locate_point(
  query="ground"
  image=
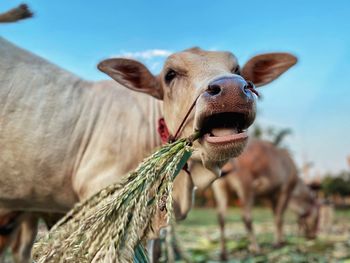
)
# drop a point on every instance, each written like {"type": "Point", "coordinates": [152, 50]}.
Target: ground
{"type": "Point", "coordinates": [199, 238]}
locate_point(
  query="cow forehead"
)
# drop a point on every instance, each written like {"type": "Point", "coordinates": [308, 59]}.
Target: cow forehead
{"type": "Point", "coordinates": [192, 60]}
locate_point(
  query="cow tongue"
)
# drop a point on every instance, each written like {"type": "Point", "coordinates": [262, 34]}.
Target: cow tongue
{"type": "Point", "coordinates": [220, 132]}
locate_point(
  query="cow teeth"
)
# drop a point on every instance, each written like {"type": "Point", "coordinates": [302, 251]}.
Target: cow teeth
{"type": "Point", "coordinates": [218, 132]}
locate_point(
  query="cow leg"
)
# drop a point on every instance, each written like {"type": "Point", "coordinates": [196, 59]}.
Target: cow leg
{"type": "Point", "coordinates": [50, 219]}
{"type": "Point", "coordinates": [22, 245]}
{"type": "Point", "coordinates": [247, 203]}
{"type": "Point", "coordinates": [5, 241]}
{"type": "Point", "coordinates": [154, 250]}
{"type": "Point", "coordinates": [221, 198]}
{"type": "Point", "coordinates": [9, 222]}
{"type": "Point", "coordinates": [279, 207]}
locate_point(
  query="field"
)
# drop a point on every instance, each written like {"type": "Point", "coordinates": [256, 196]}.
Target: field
{"type": "Point", "coordinates": [199, 239]}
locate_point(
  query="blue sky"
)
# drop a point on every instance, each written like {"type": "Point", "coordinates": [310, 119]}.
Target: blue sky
{"type": "Point", "coordinates": [313, 98]}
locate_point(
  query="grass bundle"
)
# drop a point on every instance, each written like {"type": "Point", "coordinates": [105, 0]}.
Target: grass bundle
{"type": "Point", "coordinates": [110, 226]}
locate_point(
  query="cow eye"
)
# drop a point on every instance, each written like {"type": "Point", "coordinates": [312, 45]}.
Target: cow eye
{"type": "Point", "coordinates": [236, 70]}
{"type": "Point", "coordinates": [170, 75]}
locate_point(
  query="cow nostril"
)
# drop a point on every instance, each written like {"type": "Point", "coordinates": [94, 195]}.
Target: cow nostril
{"type": "Point", "coordinates": [214, 89]}
{"type": "Point", "coordinates": [251, 87]}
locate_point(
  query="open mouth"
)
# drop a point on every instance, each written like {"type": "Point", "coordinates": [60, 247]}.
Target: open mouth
{"type": "Point", "coordinates": [226, 127]}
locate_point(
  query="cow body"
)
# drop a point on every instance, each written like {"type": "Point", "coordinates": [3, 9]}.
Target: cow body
{"type": "Point", "coordinates": [262, 172]}
{"type": "Point", "coordinates": [55, 128]}
{"type": "Point", "coordinates": [58, 132]}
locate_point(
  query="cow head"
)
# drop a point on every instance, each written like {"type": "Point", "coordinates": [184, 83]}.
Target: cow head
{"type": "Point", "coordinates": [225, 106]}
{"type": "Point", "coordinates": [308, 221]}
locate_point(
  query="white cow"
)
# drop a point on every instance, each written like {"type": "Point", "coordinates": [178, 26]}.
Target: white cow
{"type": "Point", "coordinates": [63, 138]}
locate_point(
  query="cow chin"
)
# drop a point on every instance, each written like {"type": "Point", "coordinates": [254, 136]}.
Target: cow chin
{"type": "Point", "coordinates": [223, 134]}
{"type": "Point", "coordinates": [215, 156]}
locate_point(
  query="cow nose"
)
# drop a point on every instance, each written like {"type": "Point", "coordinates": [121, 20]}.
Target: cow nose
{"type": "Point", "coordinates": [214, 89]}
{"type": "Point", "coordinates": [235, 84]}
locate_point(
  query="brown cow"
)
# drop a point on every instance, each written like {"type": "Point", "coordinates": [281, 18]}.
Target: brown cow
{"type": "Point", "coordinates": [63, 138]}
{"type": "Point", "coordinates": [266, 172]}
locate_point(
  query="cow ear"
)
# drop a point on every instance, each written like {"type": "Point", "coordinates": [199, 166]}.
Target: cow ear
{"type": "Point", "coordinates": [263, 69]}
{"type": "Point", "coordinates": [133, 75]}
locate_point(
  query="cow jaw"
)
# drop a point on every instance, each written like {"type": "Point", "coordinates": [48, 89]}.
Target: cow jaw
{"type": "Point", "coordinates": [224, 135]}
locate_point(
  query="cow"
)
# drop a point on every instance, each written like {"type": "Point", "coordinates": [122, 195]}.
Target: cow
{"type": "Point", "coordinates": [64, 138]}
{"type": "Point", "coordinates": [267, 173]}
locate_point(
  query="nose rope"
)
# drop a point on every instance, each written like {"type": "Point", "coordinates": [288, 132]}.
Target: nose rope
{"type": "Point", "coordinates": [164, 131]}
{"type": "Point", "coordinates": [250, 87]}
{"type": "Point", "coordinates": [166, 137]}
{"type": "Point", "coordinates": [184, 120]}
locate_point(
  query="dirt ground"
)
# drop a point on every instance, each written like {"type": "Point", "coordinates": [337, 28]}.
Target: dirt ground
{"type": "Point", "coordinates": [199, 239]}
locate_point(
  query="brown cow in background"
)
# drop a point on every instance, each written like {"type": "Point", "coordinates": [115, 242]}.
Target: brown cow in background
{"type": "Point", "coordinates": [266, 172]}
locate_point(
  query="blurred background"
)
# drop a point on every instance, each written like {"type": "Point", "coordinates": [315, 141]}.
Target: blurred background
{"type": "Point", "coordinates": [306, 111]}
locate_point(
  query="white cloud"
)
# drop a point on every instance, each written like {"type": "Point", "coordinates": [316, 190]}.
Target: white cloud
{"type": "Point", "coordinates": [146, 54]}
{"type": "Point", "coordinates": [152, 58]}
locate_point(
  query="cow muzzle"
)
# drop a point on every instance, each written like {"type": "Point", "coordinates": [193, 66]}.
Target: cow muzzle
{"type": "Point", "coordinates": [223, 114]}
